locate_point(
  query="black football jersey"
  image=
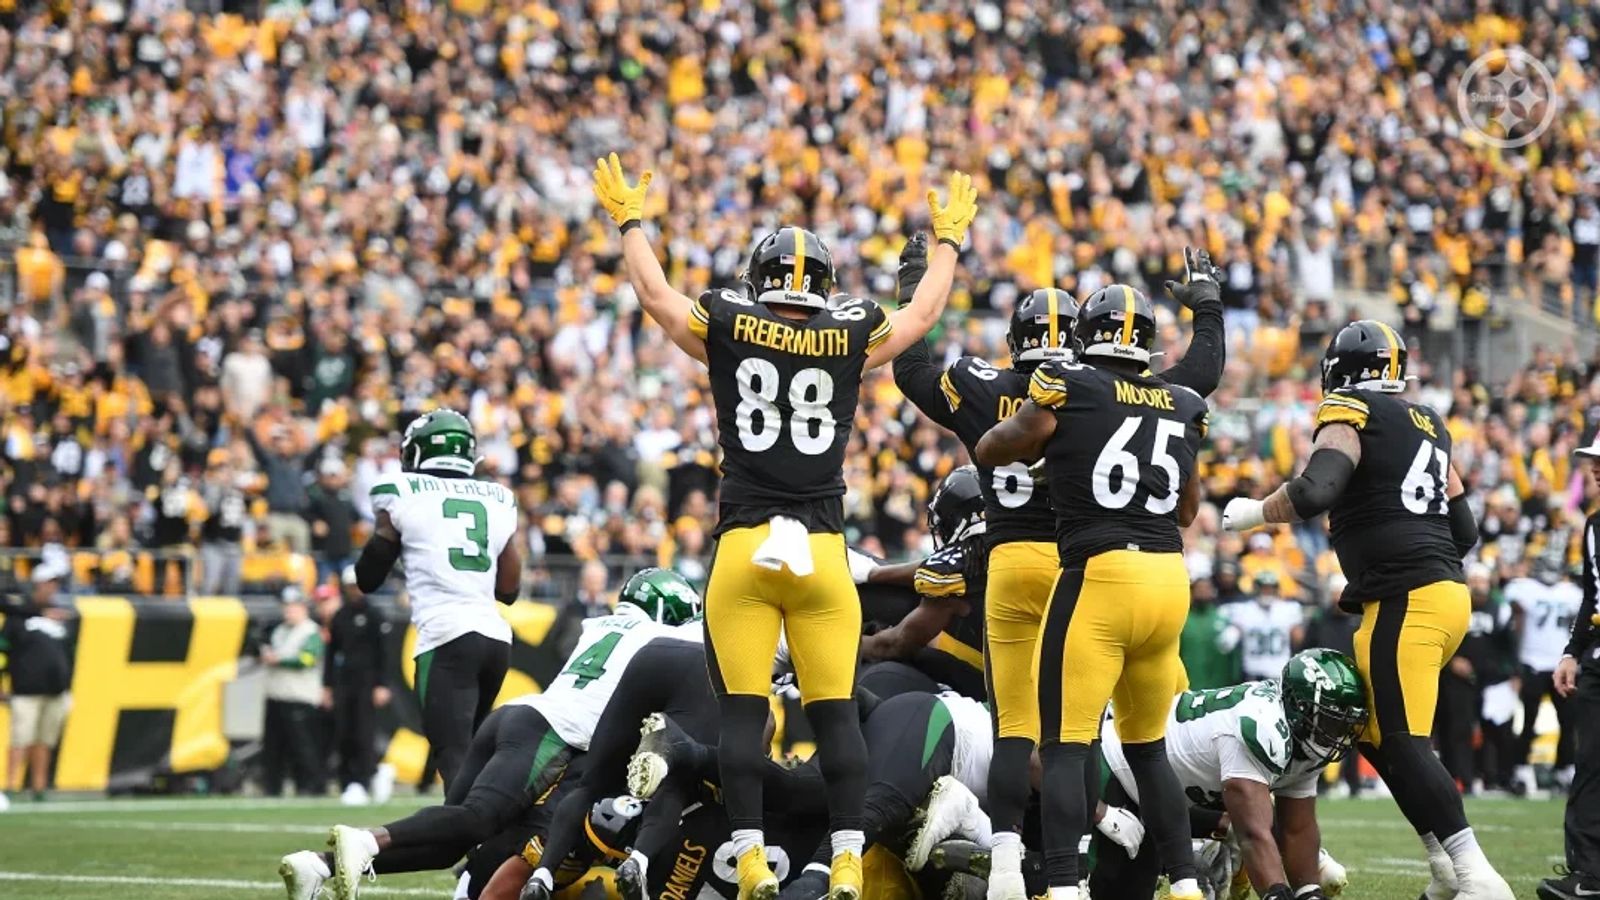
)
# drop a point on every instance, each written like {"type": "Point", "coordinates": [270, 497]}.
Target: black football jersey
{"type": "Point", "coordinates": [980, 396]}
{"type": "Point", "coordinates": [1391, 526]}
{"type": "Point", "coordinates": [786, 393]}
{"type": "Point", "coordinates": [703, 864]}
{"type": "Point", "coordinates": [1123, 447]}
{"type": "Point", "coordinates": [955, 657]}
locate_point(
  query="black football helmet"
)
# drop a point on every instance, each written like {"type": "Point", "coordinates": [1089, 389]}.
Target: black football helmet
{"type": "Point", "coordinates": [1365, 354]}
{"type": "Point", "coordinates": [1041, 328]}
{"type": "Point", "coordinates": [1118, 322]}
{"type": "Point", "coordinates": [792, 267]}
{"type": "Point", "coordinates": [956, 510]}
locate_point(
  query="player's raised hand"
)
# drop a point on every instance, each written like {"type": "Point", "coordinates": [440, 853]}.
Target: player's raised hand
{"type": "Point", "coordinates": [1202, 280]}
{"type": "Point", "coordinates": [913, 265]}
{"type": "Point", "coordinates": [622, 201]}
{"type": "Point", "coordinates": [950, 222]}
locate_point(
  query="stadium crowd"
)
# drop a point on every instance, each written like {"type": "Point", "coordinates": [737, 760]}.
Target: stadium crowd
{"type": "Point", "coordinates": [247, 251]}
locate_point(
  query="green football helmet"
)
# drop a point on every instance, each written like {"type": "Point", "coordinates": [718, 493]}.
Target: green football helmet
{"type": "Point", "coordinates": [662, 594]}
{"type": "Point", "coordinates": [1326, 703]}
{"type": "Point", "coordinates": [439, 441]}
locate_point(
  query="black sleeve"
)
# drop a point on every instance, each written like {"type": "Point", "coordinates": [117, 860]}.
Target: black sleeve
{"type": "Point", "coordinates": [377, 558]}
{"type": "Point", "coordinates": [378, 634]}
{"type": "Point", "coordinates": [918, 378]}
{"type": "Point", "coordinates": [1324, 479]}
{"type": "Point", "coordinates": [1582, 637]}
{"type": "Point", "coordinates": [1200, 370]}
{"type": "Point", "coordinates": [1463, 525]}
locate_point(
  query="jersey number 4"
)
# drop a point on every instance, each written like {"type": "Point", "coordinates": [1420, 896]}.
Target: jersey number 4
{"type": "Point", "coordinates": [589, 667]}
{"type": "Point", "coordinates": [1117, 460]}
{"type": "Point", "coordinates": [811, 426]}
{"type": "Point", "coordinates": [472, 556]}
{"type": "Point", "coordinates": [1423, 490]}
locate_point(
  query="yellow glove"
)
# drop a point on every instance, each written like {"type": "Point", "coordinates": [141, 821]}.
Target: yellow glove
{"type": "Point", "coordinates": [951, 220]}
{"type": "Point", "coordinates": [623, 203]}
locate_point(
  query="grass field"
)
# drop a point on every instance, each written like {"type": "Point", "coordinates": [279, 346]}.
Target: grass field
{"type": "Point", "coordinates": [221, 848]}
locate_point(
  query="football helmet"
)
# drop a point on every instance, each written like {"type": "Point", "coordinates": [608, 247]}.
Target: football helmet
{"type": "Point", "coordinates": [1116, 322]}
{"type": "Point", "coordinates": [1325, 701]}
{"type": "Point", "coordinates": [439, 441]}
{"type": "Point", "coordinates": [1041, 328]}
{"type": "Point", "coordinates": [956, 510]}
{"type": "Point", "coordinates": [662, 594]}
{"type": "Point", "coordinates": [1365, 354]}
{"type": "Point", "coordinates": [791, 267]}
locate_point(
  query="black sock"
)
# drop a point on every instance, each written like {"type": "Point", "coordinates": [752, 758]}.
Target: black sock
{"type": "Point", "coordinates": [1431, 801]}
{"type": "Point", "coordinates": [1066, 812]}
{"type": "Point", "coordinates": [1164, 807]}
{"type": "Point", "coordinates": [842, 754]}
{"type": "Point", "coordinates": [1008, 782]}
{"type": "Point", "coordinates": [741, 758]}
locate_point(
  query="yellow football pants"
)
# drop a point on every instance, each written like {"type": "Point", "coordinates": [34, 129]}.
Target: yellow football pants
{"type": "Point", "coordinates": [1021, 575]}
{"type": "Point", "coordinates": [746, 604]}
{"type": "Point", "coordinates": [1111, 633]}
{"type": "Point", "coordinates": [1402, 645]}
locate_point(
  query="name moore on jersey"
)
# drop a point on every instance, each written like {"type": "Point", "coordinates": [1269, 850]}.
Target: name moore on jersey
{"type": "Point", "coordinates": [574, 700]}
{"type": "Point", "coordinates": [1217, 735]}
{"type": "Point", "coordinates": [451, 533]}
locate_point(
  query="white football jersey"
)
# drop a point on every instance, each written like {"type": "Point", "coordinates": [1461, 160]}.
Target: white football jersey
{"type": "Point", "coordinates": [974, 742]}
{"type": "Point", "coordinates": [1221, 734]}
{"type": "Point", "coordinates": [1266, 645]}
{"type": "Point", "coordinates": [451, 533]}
{"type": "Point", "coordinates": [1547, 614]}
{"type": "Point", "coordinates": [575, 698]}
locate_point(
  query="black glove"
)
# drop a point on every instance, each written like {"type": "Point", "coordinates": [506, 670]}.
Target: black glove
{"type": "Point", "coordinates": [913, 265]}
{"type": "Point", "coordinates": [1202, 280]}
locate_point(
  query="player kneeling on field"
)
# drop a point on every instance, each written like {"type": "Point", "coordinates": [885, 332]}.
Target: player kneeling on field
{"type": "Point", "coordinates": [1254, 751]}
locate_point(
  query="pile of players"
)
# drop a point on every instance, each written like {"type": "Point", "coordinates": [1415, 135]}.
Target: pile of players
{"type": "Point", "coordinates": [1057, 596]}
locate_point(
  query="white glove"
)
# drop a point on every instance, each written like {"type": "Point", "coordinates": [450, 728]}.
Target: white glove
{"type": "Point", "coordinates": [1123, 828]}
{"type": "Point", "coordinates": [1243, 514]}
{"type": "Point", "coordinates": [861, 565]}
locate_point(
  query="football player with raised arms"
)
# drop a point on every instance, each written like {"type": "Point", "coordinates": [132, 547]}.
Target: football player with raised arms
{"type": "Point", "coordinates": [785, 362]}
{"type": "Point", "coordinates": [454, 533]}
{"type": "Point", "coordinates": [968, 398]}
{"type": "Point", "coordinates": [1119, 449]}
{"type": "Point", "coordinates": [1400, 524]}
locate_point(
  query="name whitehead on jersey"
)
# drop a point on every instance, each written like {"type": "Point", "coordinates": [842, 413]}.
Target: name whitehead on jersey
{"type": "Point", "coordinates": [788, 339]}
{"type": "Point", "coordinates": [463, 486]}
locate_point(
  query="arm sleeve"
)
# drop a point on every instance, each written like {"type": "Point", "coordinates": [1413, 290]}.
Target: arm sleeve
{"type": "Point", "coordinates": [930, 390]}
{"type": "Point", "coordinates": [377, 558]}
{"type": "Point", "coordinates": [1323, 480]}
{"type": "Point", "coordinates": [1463, 524]}
{"type": "Point", "coordinates": [1582, 636]}
{"type": "Point", "coordinates": [1200, 370]}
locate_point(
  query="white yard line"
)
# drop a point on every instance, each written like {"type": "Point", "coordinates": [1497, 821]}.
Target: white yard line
{"type": "Point", "coordinates": [217, 883]}
{"type": "Point", "coordinates": [239, 827]}
{"type": "Point", "coordinates": [74, 807]}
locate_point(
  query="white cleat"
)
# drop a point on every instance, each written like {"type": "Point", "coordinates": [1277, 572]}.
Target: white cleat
{"type": "Point", "coordinates": [353, 851]}
{"type": "Point", "coordinates": [1331, 874]}
{"type": "Point", "coordinates": [303, 873]}
{"type": "Point", "coordinates": [382, 787]}
{"type": "Point", "coordinates": [648, 768]}
{"type": "Point", "coordinates": [1123, 828]}
{"type": "Point", "coordinates": [1007, 886]}
{"type": "Point", "coordinates": [354, 795]}
{"type": "Point", "coordinates": [1442, 883]}
{"type": "Point", "coordinates": [1482, 883]}
{"type": "Point", "coordinates": [951, 811]}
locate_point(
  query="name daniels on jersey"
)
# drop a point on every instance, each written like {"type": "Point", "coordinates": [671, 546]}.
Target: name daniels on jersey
{"type": "Point", "coordinates": [788, 339]}
{"type": "Point", "coordinates": [1137, 395]}
{"type": "Point", "coordinates": [466, 487]}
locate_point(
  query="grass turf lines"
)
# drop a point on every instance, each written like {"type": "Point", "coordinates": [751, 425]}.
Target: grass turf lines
{"type": "Point", "coordinates": [185, 849]}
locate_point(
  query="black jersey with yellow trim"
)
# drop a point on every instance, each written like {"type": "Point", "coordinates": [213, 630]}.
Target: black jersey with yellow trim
{"type": "Point", "coordinates": [958, 572]}
{"type": "Point", "coordinates": [785, 392]}
{"type": "Point", "coordinates": [704, 864]}
{"type": "Point", "coordinates": [1391, 526]}
{"type": "Point", "coordinates": [1123, 447]}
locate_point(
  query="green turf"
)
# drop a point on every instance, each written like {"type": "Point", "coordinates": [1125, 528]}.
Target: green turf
{"type": "Point", "coordinates": [127, 849]}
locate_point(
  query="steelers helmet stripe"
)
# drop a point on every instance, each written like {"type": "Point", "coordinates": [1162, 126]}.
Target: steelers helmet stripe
{"type": "Point", "coordinates": [1129, 309]}
{"type": "Point", "coordinates": [1053, 334]}
{"type": "Point", "coordinates": [1394, 350]}
{"type": "Point", "coordinates": [799, 260]}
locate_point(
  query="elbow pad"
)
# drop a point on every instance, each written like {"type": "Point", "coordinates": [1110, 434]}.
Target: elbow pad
{"type": "Point", "coordinates": [1324, 479]}
{"type": "Point", "coordinates": [1463, 524]}
{"type": "Point", "coordinates": [377, 558]}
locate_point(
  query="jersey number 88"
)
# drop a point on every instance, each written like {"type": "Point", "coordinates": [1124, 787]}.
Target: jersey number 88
{"type": "Point", "coordinates": [811, 425]}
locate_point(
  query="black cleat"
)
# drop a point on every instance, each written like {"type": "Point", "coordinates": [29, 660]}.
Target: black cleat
{"type": "Point", "coordinates": [1569, 886]}
{"type": "Point", "coordinates": [630, 880]}
{"type": "Point", "coordinates": [663, 750]}
{"type": "Point", "coordinates": [960, 856]}
{"type": "Point", "coordinates": [811, 885]}
{"type": "Point", "coordinates": [534, 890]}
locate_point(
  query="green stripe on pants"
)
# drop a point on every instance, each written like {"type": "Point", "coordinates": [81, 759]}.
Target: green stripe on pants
{"type": "Point", "coordinates": [938, 724]}
{"type": "Point", "coordinates": [424, 665]}
{"type": "Point", "coordinates": [550, 746]}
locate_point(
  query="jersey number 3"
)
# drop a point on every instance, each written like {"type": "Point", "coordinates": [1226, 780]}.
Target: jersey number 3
{"type": "Point", "coordinates": [1116, 459]}
{"type": "Point", "coordinates": [811, 426]}
{"type": "Point", "coordinates": [473, 556]}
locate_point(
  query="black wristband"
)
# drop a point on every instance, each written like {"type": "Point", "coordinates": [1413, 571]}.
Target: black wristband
{"type": "Point", "coordinates": [954, 245]}
{"type": "Point", "coordinates": [629, 225]}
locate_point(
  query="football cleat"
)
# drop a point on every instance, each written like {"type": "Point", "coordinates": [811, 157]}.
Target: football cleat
{"type": "Point", "coordinates": [662, 746]}
{"type": "Point", "coordinates": [962, 886]}
{"type": "Point", "coordinates": [630, 880]}
{"type": "Point", "coordinates": [951, 811]}
{"type": "Point", "coordinates": [353, 852]}
{"type": "Point", "coordinates": [1568, 886]}
{"type": "Point", "coordinates": [756, 881]}
{"type": "Point", "coordinates": [534, 890]}
{"type": "Point", "coordinates": [811, 885]}
{"type": "Point", "coordinates": [960, 856]}
{"type": "Point", "coordinates": [1331, 874]}
{"type": "Point", "coordinates": [303, 874]}
{"type": "Point", "coordinates": [844, 877]}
